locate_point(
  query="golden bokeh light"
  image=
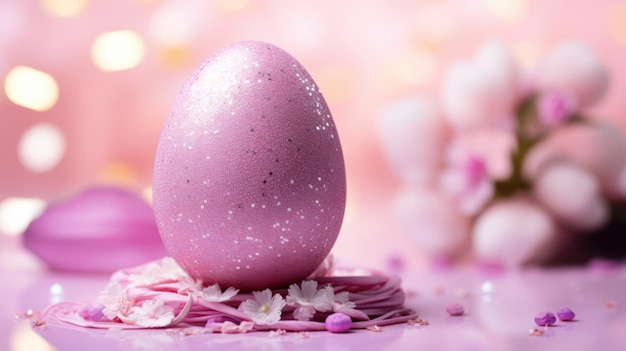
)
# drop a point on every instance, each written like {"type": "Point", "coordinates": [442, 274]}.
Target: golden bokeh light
{"type": "Point", "coordinates": [617, 23]}
{"type": "Point", "coordinates": [16, 213]}
{"type": "Point", "coordinates": [232, 5]}
{"type": "Point", "coordinates": [507, 10]}
{"type": "Point", "coordinates": [117, 50]}
{"type": "Point", "coordinates": [409, 69]}
{"type": "Point", "coordinates": [119, 173]}
{"type": "Point", "coordinates": [147, 194]}
{"type": "Point", "coordinates": [41, 148]}
{"type": "Point", "coordinates": [63, 8]}
{"type": "Point", "coordinates": [527, 53]}
{"type": "Point", "coordinates": [174, 56]}
{"type": "Point", "coordinates": [334, 82]}
{"type": "Point", "coordinates": [31, 88]}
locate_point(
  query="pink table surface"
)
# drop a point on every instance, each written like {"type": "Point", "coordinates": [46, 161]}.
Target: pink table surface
{"type": "Point", "coordinates": [500, 308]}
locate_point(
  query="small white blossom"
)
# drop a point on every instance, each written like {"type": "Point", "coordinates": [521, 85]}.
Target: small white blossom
{"type": "Point", "coordinates": [114, 300]}
{"type": "Point", "coordinates": [187, 284]}
{"type": "Point", "coordinates": [151, 314]}
{"type": "Point", "coordinates": [214, 293]}
{"type": "Point", "coordinates": [340, 301]}
{"type": "Point", "coordinates": [157, 272]}
{"type": "Point", "coordinates": [308, 299]}
{"type": "Point", "coordinates": [265, 308]}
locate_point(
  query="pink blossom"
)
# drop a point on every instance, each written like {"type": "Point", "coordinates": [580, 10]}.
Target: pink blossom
{"type": "Point", "coordinates": [511, 232]}
{"type": "Point", "coordinates": [413, 134]}
{"type": "Point", "coordinates": [229, 327]}
{"type": "Point", "coordinates": [161, 271]}
{"type": "Point", "coordinates": [151, 314]}
{"type": "Point", "coordinates": [597, 147]}
{"type": "Point", "coordinates": [214, 293]}
{"type": "Point", "coordinates": [467, 181]}
{"type": "Point", "coordinates": [480, 93]}
{"type": "Point", "coordinates": [308, 300]}
{"type": "Point", "coordinates": [572, 194]}
{"type": "Point", "coordinates": [554, 108]}
{"type": "Point", "coordinates": [573, 68]}
{"type": "Point", "coordinates": [114, 300]}
{"type": "Point", "coordinates": [433, 220]}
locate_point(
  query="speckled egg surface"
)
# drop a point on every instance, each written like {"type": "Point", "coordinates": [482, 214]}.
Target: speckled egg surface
{"type": "Point", "coordinates": [249, 181]}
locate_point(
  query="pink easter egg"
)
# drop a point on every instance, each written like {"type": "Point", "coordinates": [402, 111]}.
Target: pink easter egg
{"type": "Point", "coordinates": [249, 183]}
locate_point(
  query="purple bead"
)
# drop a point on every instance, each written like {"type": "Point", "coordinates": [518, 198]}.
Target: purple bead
{"type": "Point", "coordinates": [545, 318]}
{"type": "Point", "coordinates": [565, 314]}
{"type": "Point", "coordinates": [338, 322]}
{"type": "Point", "coordinates": [455, 309]}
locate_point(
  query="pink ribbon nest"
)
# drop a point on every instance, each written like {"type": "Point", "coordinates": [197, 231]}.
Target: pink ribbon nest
{"type": "Point", "coordinates": [160, 294]}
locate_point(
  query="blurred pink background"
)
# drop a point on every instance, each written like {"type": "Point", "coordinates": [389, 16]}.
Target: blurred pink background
{"type": "Point", "coordinates": [104, 124]}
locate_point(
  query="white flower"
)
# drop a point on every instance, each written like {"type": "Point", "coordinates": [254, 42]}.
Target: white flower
{"type": "Point", "coordinates": [114, 300]}
{"type": "Point", "coordinates": [341, 301]}
{"type": "Point", "coordinates": [214, 293]}
{"type": "Point", "coordinates": [152, 313]}
{"type": "Point", "coordinates": [189, 285]}
{"type": "Point", "coordinates": [165, 270]}
{"type": "Point", "coordinates": [265, 308]}
{"type": "Point", "coordinates": [308, 299]}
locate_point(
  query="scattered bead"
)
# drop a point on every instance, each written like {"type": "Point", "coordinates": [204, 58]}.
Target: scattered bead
{"type": "Point", "coordinates": [611, 304]}
{"type": "Point", "coordinates": [462, 293]}
{"type": "Point", "coordinates": [38, 324]}
{"type": "Point", "coordinates": [545, 318]}
{"type": "Point", "coordinates": [455, 309]}
{"type": "Point", "coordinates": [338, 322]}
{"type": "Point", "coordinates": [304, 335]}
{"type": "Point", "coordinates": [565, 314]}
{"type": "Point", "coordinates": [375, 328]}
{"type": "Point", "coordinates": [417, 321]}
{"type": "Point", "coordinates": [278, 332]}
{"type": "Point", "coordinates": [535, 332]}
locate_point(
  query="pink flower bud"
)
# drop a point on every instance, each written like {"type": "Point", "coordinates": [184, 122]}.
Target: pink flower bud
{"type": "Point", "coordinates": [597, 147]}
{"type": "Point", "coordinates": [573, 68]}
{"type": "Point", "coordinates": [412, 136]}
{"type": "Point", "coordinates": [433, 221]}
{"type": "Point", "coordinates": [555, 108]}
{"type": "Point", "coordinates": [573, 195]}
{"type": "Point", "coordinates": [480, 93]}
{"type": "Point", "coordinates": [511, 232]}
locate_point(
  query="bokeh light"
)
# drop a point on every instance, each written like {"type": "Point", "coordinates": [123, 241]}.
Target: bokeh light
{"type": "Point", "coordinates": [617, 23]}
{"type": "Point", "coordinates": [16, 213]}
{"type": "Point", "coordinates": [31, 88]}
{"type": "Point", "coordinates": [507, 10]}
{"type": "Point", "coordinates": [64, 8]}
{"type": "Point", "coordinates": [41, 147]}
{"type": "Point", "coordinates": [117, 50]}
{"type": "Point", "coordinates": [232, 5]}
{"type": "Point", "coordinates": [171, 25]}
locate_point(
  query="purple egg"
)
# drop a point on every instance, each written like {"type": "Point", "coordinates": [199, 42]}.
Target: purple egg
{"type": "Point", "coordinates": [100, 230]}
{"type": "Point", "coordinates": [249, 182]}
